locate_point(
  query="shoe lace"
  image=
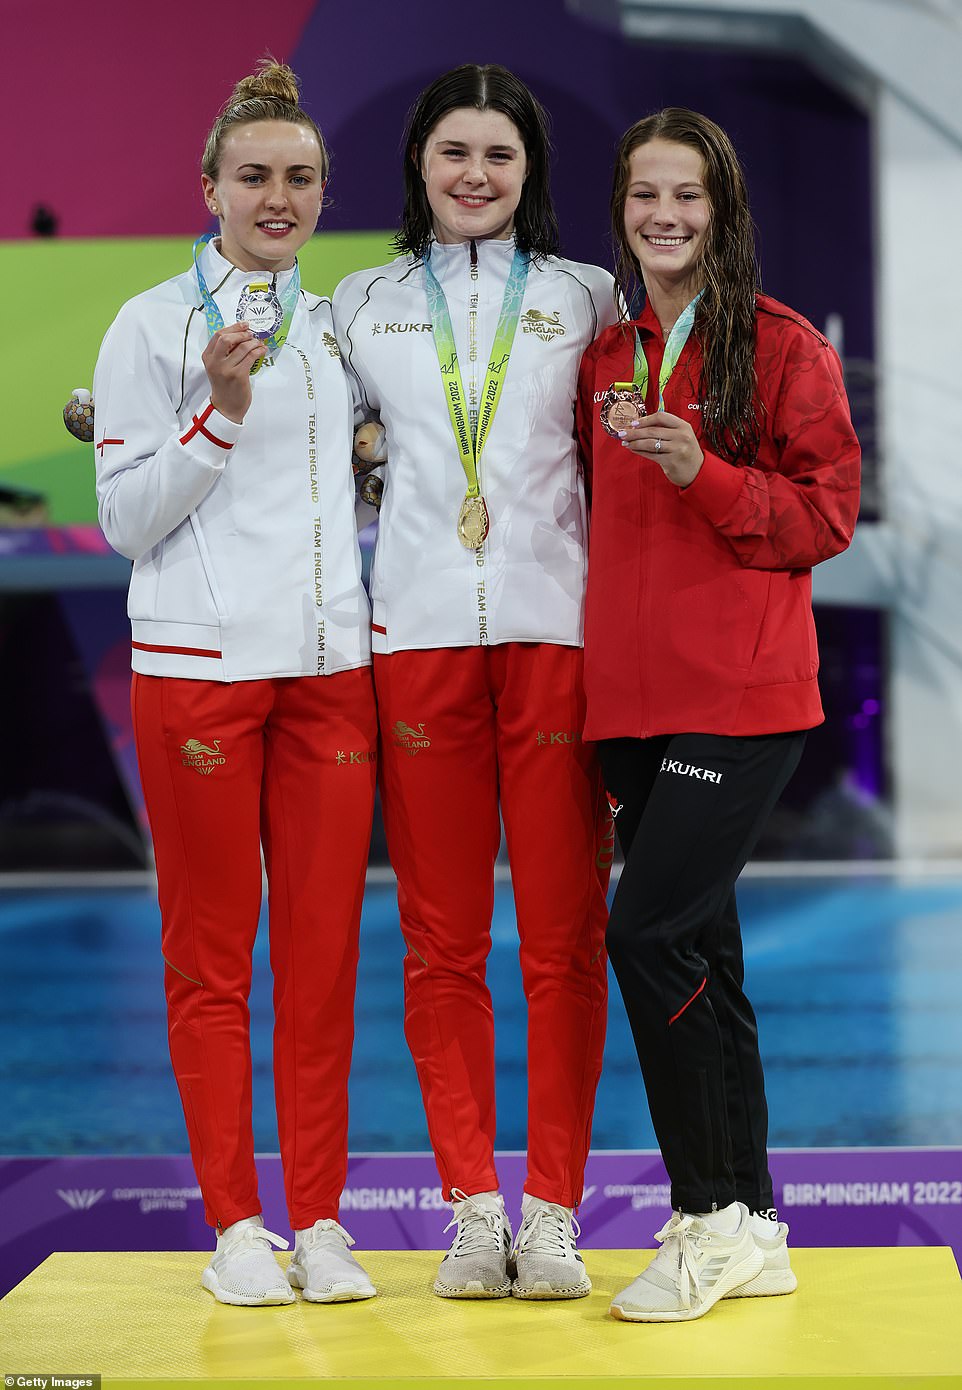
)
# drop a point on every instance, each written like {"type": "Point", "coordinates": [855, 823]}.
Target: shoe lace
{"type": "Point", "coordinates": [479, 1228]}
{"type": "Point", "coordinates": [690, 1233]}
{"type": "Point", "coordinates": [255, 1236]}
{"type": "Point", "coordinates": [549, 1229]}
{"type": "Point", "coordinates": [326, 1233]}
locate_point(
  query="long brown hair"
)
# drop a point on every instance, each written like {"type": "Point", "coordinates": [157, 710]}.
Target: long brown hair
{"type": "Point", "coordinates": [725, 318]}
{"type": "Point", "coordinates": [272, 93]}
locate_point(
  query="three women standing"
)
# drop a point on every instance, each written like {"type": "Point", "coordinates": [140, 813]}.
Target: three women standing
{"type": "Point", "coordinates": [724, 467]}
{"type": "Point", "coordinates": [467, 349]}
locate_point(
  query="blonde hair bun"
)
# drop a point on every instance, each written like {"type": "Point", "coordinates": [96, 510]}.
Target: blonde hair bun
{"type": "Point", "coordinates": [272, 79]}
{"type": "Point", "coordinates": [272, 93]}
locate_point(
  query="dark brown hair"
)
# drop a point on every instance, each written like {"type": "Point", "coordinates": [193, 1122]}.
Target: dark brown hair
{"type": "Point", "coordinates": [272, 93]}
{"type": "Point", "coordinates": [725, 318]}
{"type": "Point", "coordinates": [488, 88]}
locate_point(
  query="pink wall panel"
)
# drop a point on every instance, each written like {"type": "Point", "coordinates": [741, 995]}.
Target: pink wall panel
{"type": "Point", "coordinates": [130, 89]}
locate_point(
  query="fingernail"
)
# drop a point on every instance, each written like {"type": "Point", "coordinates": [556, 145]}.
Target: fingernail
{"type": "Point", "coordinates": [622, 433]}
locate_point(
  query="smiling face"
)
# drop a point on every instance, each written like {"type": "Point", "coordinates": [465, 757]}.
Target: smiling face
{"type": "Point", "coordinates": [267, 193]}
{"type": "Point", "coordinates": [473, 164]}
{"type": "Point", "coordinates": [667, 216]}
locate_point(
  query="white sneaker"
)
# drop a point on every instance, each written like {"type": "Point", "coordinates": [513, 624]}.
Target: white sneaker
{"type": "Point", "coordinates": [243, 1269]}
{"type": "Point", "coordinates": [476, 1266]}
{"type": "Point", "coordinates": [324, 1269]}
{"type": "Point", "coordinates": [695, 1267]}
{"type": "Point", "coordinates": [777, 1275]}
{"type": "Point", "coordinates": [545, 1253]}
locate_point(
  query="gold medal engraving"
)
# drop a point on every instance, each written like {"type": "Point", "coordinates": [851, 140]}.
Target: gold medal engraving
{"type": "Point", "coordinates": [472, 522]}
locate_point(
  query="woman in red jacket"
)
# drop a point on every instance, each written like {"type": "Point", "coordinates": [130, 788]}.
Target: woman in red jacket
{"type": "Point", "coordinates": [724, 466]}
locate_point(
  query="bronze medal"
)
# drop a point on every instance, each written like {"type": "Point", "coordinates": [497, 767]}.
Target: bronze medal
{"type": "Point", "coordinates": [623, 403]}
{"type": "Point", "coordinates": [472, 522]}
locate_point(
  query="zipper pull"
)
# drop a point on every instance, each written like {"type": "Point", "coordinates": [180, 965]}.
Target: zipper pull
{"type": "Point", "coordinates": [474, 259]}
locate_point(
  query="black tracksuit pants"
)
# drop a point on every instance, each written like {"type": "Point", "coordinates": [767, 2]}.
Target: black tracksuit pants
{"type": "Point", "coordinates": [692, 807]}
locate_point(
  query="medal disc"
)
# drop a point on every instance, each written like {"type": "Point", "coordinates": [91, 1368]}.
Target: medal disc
{"type": "Point", "coordinates": [260, 307]}
{"type": "Point", "coordinates": [622, 405]}
{"type": "Point", "coordinates": [472, 522]}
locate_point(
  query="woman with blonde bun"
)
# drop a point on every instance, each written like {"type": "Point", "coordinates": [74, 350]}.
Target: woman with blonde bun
{"type": "Point", "coordinates": [466, 349]}
{"type": "Point", "coordinates": [223, 472]}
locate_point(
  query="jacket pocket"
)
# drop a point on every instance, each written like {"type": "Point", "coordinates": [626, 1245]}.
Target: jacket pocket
{"type": "Point", "coordinates": [207, 565]}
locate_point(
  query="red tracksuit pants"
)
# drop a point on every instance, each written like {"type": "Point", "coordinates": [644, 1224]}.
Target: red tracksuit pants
{"type": "Point", "coordinates": [290, 764]}
{"type": "Point", "coordinates": [463, 729]}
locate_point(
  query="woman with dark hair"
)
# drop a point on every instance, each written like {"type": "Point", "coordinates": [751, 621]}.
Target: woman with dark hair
{"type": "Point", "coordinates": [224, 474]}
{"type": "Point", "coordinates": [724, 466]}
{"type": "Point", "coordinates": [477, 589]}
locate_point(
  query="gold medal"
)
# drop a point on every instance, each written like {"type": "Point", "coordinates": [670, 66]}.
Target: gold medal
{"type": "Point", "coordinates": [472, 522]}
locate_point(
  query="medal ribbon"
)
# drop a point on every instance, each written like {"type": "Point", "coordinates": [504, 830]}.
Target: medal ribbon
{"type": "Point", "coordinates": [471, 442]}
{"type": "Point", "coordinates": [215, 319]}
{"type": "Point", "coordinates": [677, 339]}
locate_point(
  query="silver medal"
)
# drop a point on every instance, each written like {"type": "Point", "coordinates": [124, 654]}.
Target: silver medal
{"type": "Point", "coordinates": [260, 308]}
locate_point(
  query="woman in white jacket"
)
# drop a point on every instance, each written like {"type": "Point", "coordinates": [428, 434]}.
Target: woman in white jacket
{"type": "Point", "coordinates": [467, 349]}
{"type": "Point", "coordinates": [224, 423]}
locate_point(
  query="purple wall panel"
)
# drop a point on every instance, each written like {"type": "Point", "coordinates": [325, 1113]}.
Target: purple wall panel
{"type": "Point", "coordinates": [805, 147]}
{"type": "Point", "coordinates": [829, 1197]}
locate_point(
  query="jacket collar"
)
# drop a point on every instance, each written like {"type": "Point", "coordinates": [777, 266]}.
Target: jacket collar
{"type": "Point", "coordinates": [226, 282]}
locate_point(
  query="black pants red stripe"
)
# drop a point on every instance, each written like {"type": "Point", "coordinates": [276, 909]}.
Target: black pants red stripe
{"type": "Point", "coordinates": [692, 807]}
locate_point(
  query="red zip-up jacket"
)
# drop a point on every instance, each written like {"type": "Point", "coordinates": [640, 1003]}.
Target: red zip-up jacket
{"type": "Point", "coordinates": [699, 603]}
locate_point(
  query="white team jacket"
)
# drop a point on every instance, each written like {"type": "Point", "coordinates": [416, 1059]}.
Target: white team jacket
{"type": "Point", "coordinates": [246, 561]}
{"type": "Point", "coordinates": [526, 583]}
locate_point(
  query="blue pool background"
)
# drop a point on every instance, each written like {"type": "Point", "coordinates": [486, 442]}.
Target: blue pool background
{"type": "Point", "coordinates": [857, 983]}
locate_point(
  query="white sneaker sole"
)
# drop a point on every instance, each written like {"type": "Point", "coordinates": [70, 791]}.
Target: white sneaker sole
{"type": "Point", "coordinates": [213, 1285]}
{"type": "Point", "coordinates": [342, 1292]}
{"type": "Point", "coordinates": [543, 1291]}
{"type": "Point", "coordinates": [740, 1274]}
{"type": "Point", "coordinates": [472, 1289]}
{"type": "Point", "coordinates": [768, 1284]}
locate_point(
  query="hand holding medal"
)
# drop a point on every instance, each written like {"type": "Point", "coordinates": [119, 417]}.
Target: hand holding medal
{"type": "Point", "coordinates": [666, 438]}
{"type": "Point", "coordinates": [228, 359]}
{"type": "Point", "coordinates": [259, 334]}
{"type": "Point", "coordinates": [670, 441]}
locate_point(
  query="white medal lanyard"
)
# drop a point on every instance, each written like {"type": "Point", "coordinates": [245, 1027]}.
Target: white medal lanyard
{"type": "Point", "coordinates": [473, 348]}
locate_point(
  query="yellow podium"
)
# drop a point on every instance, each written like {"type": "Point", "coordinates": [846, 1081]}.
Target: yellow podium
{"type": "Point", "coordinates": [862, 1319]}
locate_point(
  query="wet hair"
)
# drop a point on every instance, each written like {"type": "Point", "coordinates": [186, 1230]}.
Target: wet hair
{"type": "Point", "coordinates": [272, 93]}
{"type": "Point", "coordinates": [487, 88]}
{"type": "Point", "coordinates": [725, 317]}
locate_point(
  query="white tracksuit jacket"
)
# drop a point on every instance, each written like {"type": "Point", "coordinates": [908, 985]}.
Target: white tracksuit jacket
{"type": "Point", "coordinates": [526, 583]}
{"type": "Point", "coordinates": [243, 538]}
